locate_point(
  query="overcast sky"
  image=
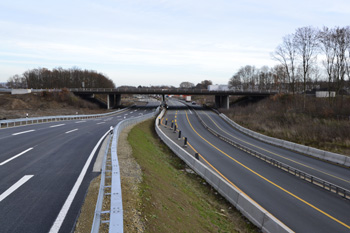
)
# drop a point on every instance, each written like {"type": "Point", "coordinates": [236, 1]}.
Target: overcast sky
{"type": "Point", "coordinates": [154, 42]}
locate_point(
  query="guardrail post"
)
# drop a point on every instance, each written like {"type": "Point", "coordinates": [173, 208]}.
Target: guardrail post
{"type": "Point", "coordinates": [185, 142]}
{"type": "Point", "coordinates": [196, 156]}
{"type": "Point", "coordinates": [158, 121]}
{"type": "Point", "coordinates": [174, 128]}
{"type": "Point", "coordinates": [179, 135]}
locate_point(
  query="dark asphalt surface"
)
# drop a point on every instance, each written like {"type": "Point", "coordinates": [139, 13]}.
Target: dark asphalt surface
{"type": "Point", "coordinates": [55, 161]}
{"type": "Point", "coordinates": [300, 205]}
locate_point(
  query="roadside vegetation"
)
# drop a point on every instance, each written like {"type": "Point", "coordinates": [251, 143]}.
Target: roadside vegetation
{"type": "Point", "coordinates": [172, 199]}
{"type": "Point", "coordinates": [317, 122]}
{"type": "Point", "coordinates": [45, 104]}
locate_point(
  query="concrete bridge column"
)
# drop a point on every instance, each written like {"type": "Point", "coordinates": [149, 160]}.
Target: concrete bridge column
{"type": "Point", "coordinates": [222, 101]}
{"type": "Point", "coordinates": [217, 101]}
{"type": "Point", "coordinates": [225, 102]}
{"type": "Point", "coordinates": [118, 100]}
{"type": "Point", "coordinates": [163, 100]}
{"type": "Point", "coordinates": [110, 101]}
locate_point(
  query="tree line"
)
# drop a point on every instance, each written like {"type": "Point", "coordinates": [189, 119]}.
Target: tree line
{"type": "Point", "coordinates": [307, 58]}
{"type": "Point", "coordinates": [43, 78]}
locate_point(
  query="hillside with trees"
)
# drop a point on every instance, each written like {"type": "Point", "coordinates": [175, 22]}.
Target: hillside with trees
{"type": "Point", "coordinates": [42, 78]}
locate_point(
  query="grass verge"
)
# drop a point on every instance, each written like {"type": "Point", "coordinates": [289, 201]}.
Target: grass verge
{"type": "Point", "coordinates": [173, 199]}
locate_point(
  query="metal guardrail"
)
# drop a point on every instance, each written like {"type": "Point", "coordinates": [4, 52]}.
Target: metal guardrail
{"type": "Point", "coordinates": [296, 172]}
{"type": "Point", "coordinates": [111, 171]}
{"type": "Point", "coordinates": [45, 119]}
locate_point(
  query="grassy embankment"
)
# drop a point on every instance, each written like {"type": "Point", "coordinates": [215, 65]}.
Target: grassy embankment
{"type": "Point", "coordinates": [322, 123]}
{"type": "Point", "coordinates": [173, 200]}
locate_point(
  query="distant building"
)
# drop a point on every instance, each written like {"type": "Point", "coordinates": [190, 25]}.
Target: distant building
{"type": "Point", "coordinates": [324, 94]}
{"type": "Point", "coordinates": [20, 91]}
{"type": "Point", "coordinates": [218, 88]}
{"type": "Point", "coordinates": [3, 85]}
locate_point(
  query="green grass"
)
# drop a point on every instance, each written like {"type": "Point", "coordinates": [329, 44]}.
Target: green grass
{"type": "Point", "coordinates": [174, 200]}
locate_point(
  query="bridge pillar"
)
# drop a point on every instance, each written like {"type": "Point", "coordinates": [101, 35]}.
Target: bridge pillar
{"type": "Point", "coordinates": [163, 100]}
{"type": "Point", "coordinates": [118, 100]}
{"type": "Point", "coordinates": [110, 101]}
{"type": "Point", "coordinates": [222, 101]}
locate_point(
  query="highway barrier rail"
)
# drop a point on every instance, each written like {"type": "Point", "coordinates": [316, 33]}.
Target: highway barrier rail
{"type": "Point", "coordinates": [111, 172]}
{"type": "Point", "coordinates": [296, 172]}
{"type": "Point", "coordinates": [320, 154]}
{"type": "Point", "coordinates": [250, 209]}
{"type": "Point", "coordinates": [45, 119]}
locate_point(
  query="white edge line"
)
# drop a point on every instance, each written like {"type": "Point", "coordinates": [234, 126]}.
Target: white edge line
{"type": "Point", "coordinates": [53, 126]}
{"type": "Point", "coordinates": [15, 186]}
{"type": "Point", "coordinates": [80, 121]}
{"type": "Point", "coordinates": [100, 123]}
{"type": "Point", "coordinates": [64, 210]}
{"type": "Point", "coordinates": [6, 161]}
{"type": "Point", "coordinates": [24, 132]}
{"type": "Point", "coordinates": [71, 130]}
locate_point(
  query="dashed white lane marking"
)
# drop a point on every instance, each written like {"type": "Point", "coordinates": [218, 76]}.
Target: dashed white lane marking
{"type": "Point", "coordinates": [71, 130]}
{"type": "Point", "coordinates": [80, 121]}
{"type": "Point", "coordinates": [53, 126]}
{"type": "Point", "coordinates": [62, 215]}
{"type": "Point", "coordinates": [24, 132]}
{"type": "Point", "coordinates": [100, 123]}
{"type": "Point", "coordinates": [15, 186]}
{"type": "Point", "coordinates": [6, 161]}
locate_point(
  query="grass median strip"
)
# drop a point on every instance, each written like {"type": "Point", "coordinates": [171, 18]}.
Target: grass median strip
{"type": "Point", "coordinates": [172, 198]}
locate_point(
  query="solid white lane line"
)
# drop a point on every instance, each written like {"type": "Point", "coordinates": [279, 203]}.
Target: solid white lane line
{"type": "Point", "coordinates": [53, 126]}
{"type": "Point", "coordinates": [15, 156]}
{"type": "Point", "coordinates": [15, 186]}
{"type": "Point", "coordinates": [24, 132]}
{"type": "Point", "coordinates": [71, 130]}
{"type": "Point", "coordinates": [80, 121]}
{"type": "Point", "coordinates": [101, 123]}
{"type": "Point", "coordinates": [62, 215]}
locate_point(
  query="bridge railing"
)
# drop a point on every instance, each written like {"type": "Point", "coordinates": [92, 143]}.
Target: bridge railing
{"type": "Point", "coordinates": [170, 91]}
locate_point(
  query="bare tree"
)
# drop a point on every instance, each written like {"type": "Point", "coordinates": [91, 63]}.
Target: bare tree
{"type": "Point", "coordinates": [186, 85]}
{"type": "Point", "coordinates": [328, 46]}
{"type": "Point", "coordinates": [306, 41]}
{"type": "Point", "coordinates": [206, 83]}
{"type": "Point", "coordinates": [235, 82]}
{"type": "Point", "coordinates": [286, 55]}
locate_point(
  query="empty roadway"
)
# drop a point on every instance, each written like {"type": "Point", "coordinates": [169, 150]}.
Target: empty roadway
{"type": "Point", "coordinates": [300, 205]}
{"type": "Point", "coordinates": [39, 165]}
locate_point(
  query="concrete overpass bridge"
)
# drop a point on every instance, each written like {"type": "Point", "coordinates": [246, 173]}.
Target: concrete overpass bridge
{"type": "Point", "coordinates": [114, 94]}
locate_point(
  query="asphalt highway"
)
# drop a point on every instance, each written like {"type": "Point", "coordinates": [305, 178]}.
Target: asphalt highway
{"type": "Point", "coordinates": [40, 164]}
{"type": "Point", "coordinates": [301, 206]}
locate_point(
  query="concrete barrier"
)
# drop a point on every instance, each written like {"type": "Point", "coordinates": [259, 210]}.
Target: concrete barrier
{"type": "Point", "coordinates": [317, 153]}
{"type": "Point", "coordinates": [254, 212]}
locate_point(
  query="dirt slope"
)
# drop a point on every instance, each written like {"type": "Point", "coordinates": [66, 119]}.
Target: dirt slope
{"type": "Point", "coordinates": [44, 104]}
